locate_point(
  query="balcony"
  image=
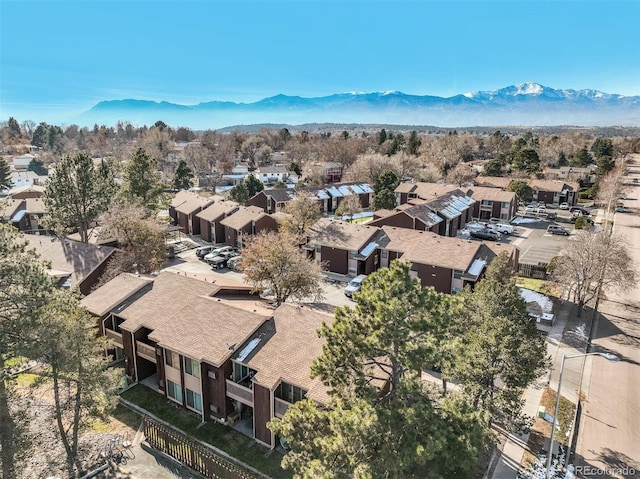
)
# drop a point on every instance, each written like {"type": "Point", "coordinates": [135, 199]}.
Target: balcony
{"type": "Point", "coordinates": [280, 406]}
{"type": "Point", "coordinates": [239, 393]}
{"type": "Point", "coordinates": [146, 351]}
{"type": "Point", "coordinates": [114, 336]}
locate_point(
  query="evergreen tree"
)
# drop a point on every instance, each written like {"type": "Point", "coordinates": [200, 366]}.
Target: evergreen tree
{"type": "Point", "coordinates": [581, 158]}
{"type": "Point", "coordinates": [239, 194]}
{"type": "Point", "coordinates": [492, 168]}
{"type": "Point", "coordinates": [24, 289]}
{"type": "Point", "coordinates": [399, 431]}
{"type": "Point", "coordinates": [253, 185]}
{"type": "Point", "coordinates": [5, 175]}
{"type": "Point", "coordinates": [141, 177]}
{"type": "Point", "coordinates": [77, 193]}
{"type": "Point", "coordinates": [38, 167]}
{"type": "Point", "coordinates": [382, 136]}
{"type": "Point", "coordinates": [414, 143]}
{"type": "Point", "coordinates": [384, 196]}
{"type": "Point", "coordinates": [183, 177]}
{"type": "Point", "coordinates": [522, 190]}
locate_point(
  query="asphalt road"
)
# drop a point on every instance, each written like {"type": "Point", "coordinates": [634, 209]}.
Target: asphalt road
{"type": "Point", "coordinates": [609, 432]}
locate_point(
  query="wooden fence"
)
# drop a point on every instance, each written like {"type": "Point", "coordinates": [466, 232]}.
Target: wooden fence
{"type": "Point", "coordinates": [190, 453]}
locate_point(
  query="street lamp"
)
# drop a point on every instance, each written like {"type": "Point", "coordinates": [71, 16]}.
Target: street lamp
{"type": "Point", "coordinates": [609, 357]}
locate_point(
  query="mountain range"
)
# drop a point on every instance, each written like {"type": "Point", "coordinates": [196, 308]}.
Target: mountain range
{"type": "Point", "coordinates": [525, 104]}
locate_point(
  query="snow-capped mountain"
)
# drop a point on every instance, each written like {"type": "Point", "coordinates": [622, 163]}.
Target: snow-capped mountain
{"type": "Point", "coordinates": [525, 104]}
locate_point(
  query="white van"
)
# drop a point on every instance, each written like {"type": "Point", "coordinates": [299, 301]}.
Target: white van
{"type": "Point", "coordinates": [501, 228]}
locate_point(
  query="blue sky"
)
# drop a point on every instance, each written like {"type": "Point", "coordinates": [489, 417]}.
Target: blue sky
{"type": "Point", "coordinates": [59, 57]}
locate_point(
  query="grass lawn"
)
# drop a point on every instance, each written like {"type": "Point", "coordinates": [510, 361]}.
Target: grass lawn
{"type": "Point", "coordinates": [542, 429]}
{"type": "Point", "coordinates": [223, 437]}
{"type": "Point", "coordinates": [540, 285]}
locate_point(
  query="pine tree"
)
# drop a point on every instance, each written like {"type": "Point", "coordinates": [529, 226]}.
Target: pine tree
{"type": "Point", "coordinates": [5, 175]}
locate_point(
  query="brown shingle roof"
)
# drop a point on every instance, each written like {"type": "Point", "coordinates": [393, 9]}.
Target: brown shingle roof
{"type": "Point", "coordinates": [170, 293]}
{"type": "Point", "coordinates": [242, 217]}
{"type": "Point", "coordinates": [78, 259]}
{"type": "Point", "coordinates": [205, 329]}
{"type": "Point", "coordinates": [192, 203]}
{"type": "Point", "coordinates": [338, 234]}
{"type": "Point", "coordinates": [552, 185]}
{"type": "Point", "coordinates": [480, 193]}
{"type": "Point", "coordinates": [425, 190]}
{"type": "Point", "coordinates": [452, 253]}
{"type": "Point", "coordinates": [35, 206]}
{"type": "Point", "coordinates": [493, 181]}
{"type": "Point", "coordinates": [216, 210]}
{"type": "Point", "coordinates": [9, 207]}
{"type": "Point", "coordinates": [401, 240]}
{"type": "Point", "coordinates": [289, 347]}
{"type": "Point", "coordinates": [116, 291]}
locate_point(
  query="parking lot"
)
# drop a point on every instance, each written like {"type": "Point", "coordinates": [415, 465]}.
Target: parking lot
{"type": "Point", "coordinates": [187, 263]}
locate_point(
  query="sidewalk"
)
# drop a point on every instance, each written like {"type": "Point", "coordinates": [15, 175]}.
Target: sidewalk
{"type": "Point", "coordinates": [509, 462]}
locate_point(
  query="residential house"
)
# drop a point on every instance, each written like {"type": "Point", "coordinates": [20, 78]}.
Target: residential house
{"type": "Point", "coordinates": [22, 162]}
{"type": "Point", "coordinates": [24, 214]}
{"type": "Point", "coordinates": [554, 192]}
{"type": "Point", "coordinates": [183, 210]}
{"type": "Point", "coordinates": [26, 178]}
{"type": "Point", "coordinates": [447, 201]}
{"type": "Point", "coordinates": [246, 221]}
{"type": "Point", "coordinates": [575, 174]}
{"type": "Point", "coordinates": [446, 264]}
{"type": "Point", "coordinates": [331, 171]}
{"type": "Point", "coordinates": [270, 175]}
{"type": "Point", "coordinates": [210, 228]}
{"type": "Point", "coordinates": [493, 181]}
{"type": "Point", "coordinates": [226, 360]}
{"type": "Point", "coordinates": [273, 200]}
{"type": "Point", "coordinates": [493, 203]}
{"type": "Point", "coordinates": [415, 217]}
{"type": "Point", "coordinates": [271, 370]}
{"type": "Point", "coordinates": [74, 265]}
{"type": "Point", "coordinates": [27, 191]}
{"type": "Point", "coordinates": [328, 196]}
{"type": "Point", "coordinates": [344, 248]}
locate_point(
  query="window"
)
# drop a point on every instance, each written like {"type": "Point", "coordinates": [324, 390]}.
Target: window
{"type": "Point", "coordinates": [192, 367]}
{"type": "Point", "coordinates": [414, 267]}
{"type": "Point", "coordinates": [172, 359]}
{"type": "Point", "coordinates": [318, 248]}
{"type": "Point", "coordinates": [506, 205]}
{"type": "Point", "coordinates": [291, 393]}
{"type": "Point", "coordinates": [457, 274]}
{"type": "Point", "coordinates": [174, 391]}
{"type": "Point", "coordinates": [352, 254]}
{"type": "Point", "coordinates": [194, 400]}
{"type": "Point", "coordinates": [384, 253]}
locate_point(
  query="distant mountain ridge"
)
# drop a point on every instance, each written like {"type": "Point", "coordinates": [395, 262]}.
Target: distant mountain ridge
{"type": "Point", "coordinates": [525, 104]}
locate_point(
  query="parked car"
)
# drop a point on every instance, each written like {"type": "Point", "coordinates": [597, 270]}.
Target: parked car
{"type": "Point", "coordinates": [234, 263]}
{"type": "Point", "coordinates": [220, 261]}
{"type": "Point", "coordinates": [501, 228]}
{"type": "Point", "coordinates": [486, 234]}
{"type": "Point", "coordinates": [552, 216]}
{"type": "Point", "coordinates": [215, 252]}
{"type": "Point", "coordinates": [354, 285]}
{"type": "Point", "coordinates": [202, 251]}
{"type": "Point", "coordinates": [564, 206]}
{"type": "Point", "coordinates": [542, 209]}
{"type": "Point", "coordinates": [620, 209]}
{"type": "Point", "coordinates": [530, 209]}
{"type": "Point", "coordinates": [578, 208]}
{"type": "Point", "coordinates": [475, 225]}
{"type": "Point", "coordinates": [557, 230]}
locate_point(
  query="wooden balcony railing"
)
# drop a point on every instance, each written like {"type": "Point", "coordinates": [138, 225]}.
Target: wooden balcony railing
{"type": "Point", "coordinates": [239, 393]}
{"type": "Point", "coordinates": [146, 351]}
{"type": "Point", "coordinates": [114, 336]}
{"type": "Point", "coordinates": [280, 406]}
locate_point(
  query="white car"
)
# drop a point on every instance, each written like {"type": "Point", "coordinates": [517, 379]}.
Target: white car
{"type": "Point", "coordinates": [354, 285]}
{"type": "Point", "coordinates": [529, 209]}
{"type": "Point", "coordinates": [564, 206]}
{"type": "Point", "coordinates": [216, 252]}
{"type": "Point", "coordinates": [542, 209]}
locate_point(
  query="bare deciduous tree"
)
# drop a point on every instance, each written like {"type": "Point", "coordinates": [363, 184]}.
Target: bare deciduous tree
{"type": "Point", "coordinates": [593, 261]}
{"type": "Point", "coordinates": [273, 261]}
{"type": "Point", "coordinates": [303, 212]}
